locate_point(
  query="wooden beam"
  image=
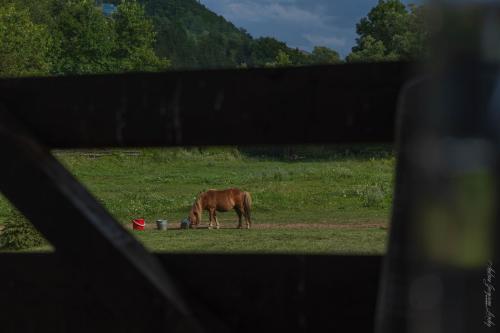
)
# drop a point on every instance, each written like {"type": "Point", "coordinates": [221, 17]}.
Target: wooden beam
{"type": "Point", "coordinates": [311, 105]}
{"type": "Point", "coordinates": [252, 293]}
{"type": "Point", "coordinates": [95, 249]}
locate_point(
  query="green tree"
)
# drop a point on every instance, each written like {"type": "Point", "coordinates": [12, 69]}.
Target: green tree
{"type": "Point", "coordinates": [414, 42]}
{"type": "Point", "coordinates": [384, 21]}
{"type": "Point", "coordinates": [391, 31]}
{"type": "Point", "coordinates": [39, 10]}
{"type": "Point", "coordinates": [281, 60]}
{"type": "Point", "coordinates": [265, 50]}
{"type": "Point", "coordinates": [324, 55]}
{"type": "Point", "coordinates": [24, 45]}
{"type": "Point", "coordinates": [371, 50]}
{"type": "Point", "coordinates": [135, 39]}
{"type": "Point", "coordinates": [86, 39]}
{"type": "Point", "coordinates": [297, 56]}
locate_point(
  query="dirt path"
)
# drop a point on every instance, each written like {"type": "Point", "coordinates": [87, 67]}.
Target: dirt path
{"type": "Point", "coordinates": [319, 226]}
{"type": "Point", "coordinates": [285, 226]}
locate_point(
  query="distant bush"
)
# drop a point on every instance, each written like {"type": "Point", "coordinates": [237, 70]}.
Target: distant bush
{"type": "Point", "coordinates": [19, 233]}
{"type": "Point", "coordinates": [194, 153]}
{"type": "Point", "coordinates": [376, 196]}
{"type": "Point", "coordinates": [372, 196]}
{"type": "Point", "coordinates": [318, 152]}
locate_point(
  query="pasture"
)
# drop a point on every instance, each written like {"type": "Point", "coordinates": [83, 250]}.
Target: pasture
{"type": "Point", "coordinates": [316, 200]}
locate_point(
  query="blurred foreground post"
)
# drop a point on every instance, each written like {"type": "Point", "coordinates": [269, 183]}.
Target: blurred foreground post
{"type": "Point", "coordinates": [439, 274]}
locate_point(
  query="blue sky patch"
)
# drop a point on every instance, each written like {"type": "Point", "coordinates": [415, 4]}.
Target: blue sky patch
{"type": "Point", "coordinates": [300, 23]}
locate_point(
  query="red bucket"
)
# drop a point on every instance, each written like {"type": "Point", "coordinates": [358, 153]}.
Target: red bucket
{"type": "Point", "coordinates": [138, 224]}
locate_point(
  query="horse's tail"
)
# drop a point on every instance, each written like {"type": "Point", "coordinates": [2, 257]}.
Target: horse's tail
{"type": "Point", "coordinates": [247, 203]}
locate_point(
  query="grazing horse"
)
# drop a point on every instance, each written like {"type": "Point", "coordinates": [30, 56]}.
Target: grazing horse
{"type": "Point", "coordinates": [215, 201]}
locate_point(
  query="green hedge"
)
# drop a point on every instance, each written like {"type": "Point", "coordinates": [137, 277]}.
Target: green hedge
{"type": "Point", "coordinates": [18, 233]}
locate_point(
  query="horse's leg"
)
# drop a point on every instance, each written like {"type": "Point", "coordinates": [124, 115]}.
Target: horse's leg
{"type": "Point", "coordinates": [247, 219]}
{"type": "Point", "coordinates": [238, 211]}
{"type": "Point", "coordinates": [210, 214]}
{"type": "Point", "coordinates": [216, 221]}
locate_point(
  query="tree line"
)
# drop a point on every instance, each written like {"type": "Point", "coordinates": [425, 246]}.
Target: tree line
{"type": "Point", "coordinates": [194, 37]}
{"type": "Point", "coordinates": [64, 37]}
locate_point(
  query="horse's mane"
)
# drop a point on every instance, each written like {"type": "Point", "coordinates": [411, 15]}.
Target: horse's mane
{"type": "Point", "coordinates": [197, 207]}
{"type": "Point", "coordinates": [197, 203]}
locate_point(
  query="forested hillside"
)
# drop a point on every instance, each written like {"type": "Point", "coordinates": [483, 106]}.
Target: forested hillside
{"type": "Point", "coordinates": [62, 37]}
{"type": "Point", "coordinates": [192, 36]}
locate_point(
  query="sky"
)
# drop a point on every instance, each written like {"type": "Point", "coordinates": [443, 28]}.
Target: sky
{"type": "Point", "coordinates": [300, 23]}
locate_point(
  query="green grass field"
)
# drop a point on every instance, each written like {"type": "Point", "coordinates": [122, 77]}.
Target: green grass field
{"type": "Point", "coordinates": [334, 200]}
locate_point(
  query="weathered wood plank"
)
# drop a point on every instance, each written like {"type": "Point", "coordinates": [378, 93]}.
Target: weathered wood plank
{"type": "Point", "coordinates": [325, 104]}
{"type": "Point", "coordinates": [250, 293]}
{"type": "Point", "coordinates": [100, 252]}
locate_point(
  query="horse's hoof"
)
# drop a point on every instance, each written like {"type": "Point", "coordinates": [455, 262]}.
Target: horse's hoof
{"type": "Point", "coordinates": [218, 228]}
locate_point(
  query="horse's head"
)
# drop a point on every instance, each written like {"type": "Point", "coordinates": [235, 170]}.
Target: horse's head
{"type": "Point", "coordinates": [194, 219]}
{"type": "Point", "coordinates": [195, 214]}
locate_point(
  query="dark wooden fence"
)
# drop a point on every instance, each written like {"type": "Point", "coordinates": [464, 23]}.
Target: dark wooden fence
{"type": "Point", "coordinates": [103, 279]}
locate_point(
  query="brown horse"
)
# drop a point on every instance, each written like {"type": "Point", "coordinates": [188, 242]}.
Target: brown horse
{"type": "Point", "coordinates": [215, 201]}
